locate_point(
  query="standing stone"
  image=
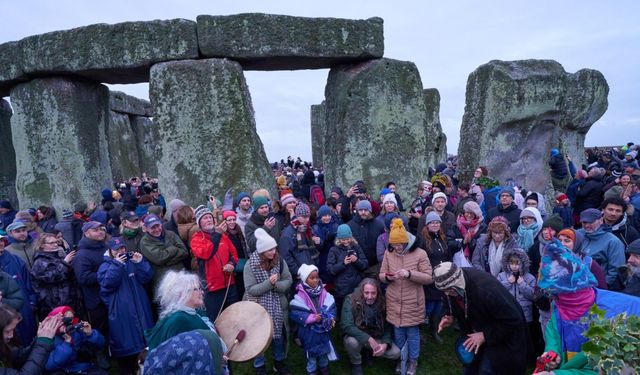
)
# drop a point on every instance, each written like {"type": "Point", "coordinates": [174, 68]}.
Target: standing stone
{"type": "Point", "coordinates": [146, 140]}
{"type": "Point", "coordinates": [10, 67]}
{"type": "Point", "coordinates": [59, 136]}
{"type": "Point", "coordinates": [123, 103]}
{"type": "Point", "coordinates": [436, 139]}
{"type": "Point", "coordinates": [375, 126]}
{"type": "Point", "coordinates": [207, 132]}
{"type": "Point", "coordinates": [516, 111]}
{"type": "Point", "coordinates": [123, 150]}
{"type": "Point", "coordinates": [317, 134]}
{"type": "Point", "coordinates": [8, 165]}
{"type": "Point", "coordinates": [276, 42]}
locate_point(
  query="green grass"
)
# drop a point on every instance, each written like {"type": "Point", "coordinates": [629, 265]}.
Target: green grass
{"type": "Point", "coordinates": [434, 359]}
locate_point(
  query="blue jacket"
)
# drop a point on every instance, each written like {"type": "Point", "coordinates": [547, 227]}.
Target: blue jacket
{"type": "Point", "coordinates": [316, 341]}
{"type": "Point", "coordinates": [65, 356]}
{"type": "Point", "coordinates": [85, 266]}
{"type": "Point", "coordinates": [606, 249]}
{"type": "Point", "coordinates": [292, 253]}
{"type": "Point", "coordinates": [346, 277]}
{"type": "Point", "coordinates": [17, 268]}
{"type": "Point", "coordinates": [122, 291]}
{"type": "Point", "coordinates": [6, 219]}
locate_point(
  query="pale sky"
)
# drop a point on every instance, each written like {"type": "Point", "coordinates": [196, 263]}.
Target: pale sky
{"type": "Point", "coordinates": [446, 40]}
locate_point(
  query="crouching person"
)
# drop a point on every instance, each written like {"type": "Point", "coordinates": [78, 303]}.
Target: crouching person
{"type": "Point", "coordinates": [364, 325]}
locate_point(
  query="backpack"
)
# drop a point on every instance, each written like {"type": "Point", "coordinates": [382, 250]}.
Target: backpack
{"type": "Point", "coordinates": [316, 196]}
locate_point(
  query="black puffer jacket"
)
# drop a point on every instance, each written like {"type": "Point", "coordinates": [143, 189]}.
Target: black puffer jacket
{"type": "Point", "coordinates": [366, 232]}
{"type": "Point", "coordinates": [30, 360]}
{"type": "Point", "coordinates": [511, 213]}
{"type": "Point", "coordinates": [346, 277]}
{"type": "Point", "coordinates": [589, 195]}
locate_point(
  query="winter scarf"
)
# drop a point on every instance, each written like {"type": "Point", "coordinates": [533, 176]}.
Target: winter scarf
{"type": "Point", "coordinates": [572, 306]}
{"type": "Point", "coordinates": [270, 300]}
{"type": "Point", "coordinates": [495, 257]}
{"type": "Point", "coordinates": [526, 235]}
{"type": "Point", "coordinates": [468, 229]}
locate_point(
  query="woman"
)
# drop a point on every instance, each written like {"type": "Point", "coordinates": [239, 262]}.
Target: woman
{"type": "Point", "coordinates": [62, 243]}
{"type": "Point", "coordinates": [285, 212]}
{"type": "Point", "coordinates": [53, 277]}
{"type": "Point", "coordinates": [325, 229]}
{"type": "Point", "coordinates": [435, 244]}
{"type": "Point", "coordinates": [237, 238]}
{"type": "Point", "coordinates": [122, 277]}
{"type": "Point", "coordinates": [536, 200]}
{"type": "Point", "coordinates": [187, 227]}
{"type": "Point", "coordinates": [530, 226]}
{"type": "Point", "coordinates": [490, 247]}
{"type": "Point", "coordinates": [32, 359]}
{"type": "Point", "coordinates": [405, 268]}
{"type": "Point", "coordinates": [469, 226]}
{"type": "Point", "coordinates": [573, 240]}
{"type": "Point", "coordinates": [620, 187]}
{"type": "Point", "coordinates": [550, 228]}
{"type": "Point", "coordinates": [346, 263]}
{"type": "Point", "coordinates": [46, 217]}
{"type": "Point", "coordinates": [267, 280]}
{"type": "Point", "coordinates": [418, 205]}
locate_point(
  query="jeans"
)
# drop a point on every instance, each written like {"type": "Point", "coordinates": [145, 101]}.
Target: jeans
{"type": "Point", "coordinates": [410, 336]}
{"type": "Point", "coordinates": [213, 301]}
{"type": "Point", "coordinates": [433, 307]}
{"type": "Point", "coordinates": [353, 348]}
{"type": "Point", "coordinates": [313, 363]}
{"type": "Point", "coordinates": [277, 348]}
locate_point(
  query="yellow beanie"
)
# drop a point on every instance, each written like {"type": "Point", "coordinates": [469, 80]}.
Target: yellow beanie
{"type": "Point", "coordinates": [281, 181]}
{"type": "Point", "coordinates": [397, 233]}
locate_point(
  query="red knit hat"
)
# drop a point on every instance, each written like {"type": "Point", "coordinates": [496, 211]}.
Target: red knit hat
{"type": "Point", "coordinates": [61, 310]}
{"type": "Point", "coordinates": [228, 213]}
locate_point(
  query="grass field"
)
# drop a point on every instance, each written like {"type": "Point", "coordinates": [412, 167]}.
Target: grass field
{"type": "Point", "coordinates": [434, 359]}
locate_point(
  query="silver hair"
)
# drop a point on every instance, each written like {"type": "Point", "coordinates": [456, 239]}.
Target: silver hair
{"type": "Point", "coordinates": [175, 290]}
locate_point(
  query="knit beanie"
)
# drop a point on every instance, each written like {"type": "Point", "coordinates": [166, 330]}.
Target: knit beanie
{"type": "Point", "coordinates": [67, 214]}
{"type": "Point", "coordinates": [388, 218]}
{"type": "Point", "coordinates": [6, 205]}
{"type": "Point", "coordinates": [560, 197]}
{"type": "Point", "coordinates": [364, 205]}
{"type": "Point", "coordinates": [175, 205]}
{"type": "Point", "coordinates": [302, 209]}
{"type": "Point", "coordinates": [281, 180]}
{"type": "Point", "coordinates": [229, 213]}
{"type": "Point", "coordinates": [106, 194]}
{"type": "Point", "coordinates": [344, 231]}
{"type": "Point", "coordinates": [385, 191]}
{"type": "Point", "coordinates": [432, 216]}
{"type": "Point", "coordinates": [264, 242]}
{"type": "Point", "coordinates": [447, 275]}
{"type": "Point", "coordinates": [390, 198]}
{"type": "Point", "coordinates": [634, 247]}
{"type": "Point", "coordinates": [200, 211]}
{"type": "Point", "coordinates": [554, 221]}
{"type": "Point", "coordinates": [305, 270]}
{"type": "Point", "coordinates": [473, 208]}
{"type": "Point", "coordinates": [258, 202]}
{"type": "Point", "coordinates": [241, 196]}
{"type": "Point", "coordinates": [287, 198]}
{"type": "Point", "coordinates": [440, 195]}
{"type": "Point", "coordinates": [324, 210]}
{"type": "Point", "coordinates": [510, 191]}
{"type": "Point", "coordinates": [397, 233]}
{"type": "Point", "coordinates": [569, 232]}
{"type": "Point", "coordinates": [533, 196]}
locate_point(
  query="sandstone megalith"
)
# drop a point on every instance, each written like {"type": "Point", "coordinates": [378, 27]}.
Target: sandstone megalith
{"type": "Point", "coordinates": [123, 103]}
{"type": "Point", "coordinates": [317, 134]}
{"type": "Point", "coordinates": [207, 132]}
{"type": "Point", "coordinates": [59, 137]}
{"type": "Point", "coordinates": [146, 136]}
{"type": "Point", "coordinates": [123, 150]}
{"type": "Point", "coordinates": [274, 42]}
{"type": "Point", "coordinates": [436, 139]}
{"type": "Point", "coordinates": [8, 165]}
{"type": "Point", "coordinates": [376, 125]}
{"type": "Point", "coordinates": [516, 111]}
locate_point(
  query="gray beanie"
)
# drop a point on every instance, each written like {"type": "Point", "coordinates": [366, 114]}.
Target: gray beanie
{"type": "Point", "coordinates": [364, 205]}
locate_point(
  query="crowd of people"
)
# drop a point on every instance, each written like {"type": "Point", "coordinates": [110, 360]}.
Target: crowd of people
{"type": "Point", "coordinates": [139, 282]}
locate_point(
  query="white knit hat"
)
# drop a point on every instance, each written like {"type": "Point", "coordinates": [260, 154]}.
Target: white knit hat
{"type": "Point", "coordinates": [440, 195]}
{"type": "Point", "coordinates": [305, 270]}
{"type": "Point", "coordinates": [390, 198]}
{"type": "Point", "coordinates": [264, 242]}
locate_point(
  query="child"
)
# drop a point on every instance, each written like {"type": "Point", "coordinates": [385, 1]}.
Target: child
{"type": "Point", "coordinates": [314, 311]}
{"type": "Point", "coordinates": [563, 208]}
{"type": "Point", "coordinates": [345, 263]}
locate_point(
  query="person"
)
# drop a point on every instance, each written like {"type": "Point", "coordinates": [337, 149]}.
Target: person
{"type": "Point", "coordinates": [91, 249]}
{"type": "Point", "coordinates": [535, 199]}
{"type": "Point", "coordinates": [122, 277]}
{"type": "Point", "coordinates": [530, 226]}
{"type": "Point", "coordinates": [559, 170]}
{"type": "Point", "coordinates": [267, 280]}
{"type": "Point", "coordinates": [325, 229]}
{"type": "Point", "coordinates": [217, 258]}
{"type": "Point", "coordinates": [162, 247]}
{"type": "Point", "coordinates": [389, 205]}
{"type": "Point", "coordinates": [615, 220]}
{"type": "Point", "coordinates": [237, 239]}
{"type": "Point", "coordinates": [604, 247]}
{"type": "Point", "coordinates": [313, 310]}
{"type": "Point", "coordinates": [287, 210]}
{"type": "Point", "coordinates": [346, 262]}
{"type": "Point", "coordinates": [464, 196]}
{"type": "Point", "coordinates": [46, 218]}
{"type": "Point", "coordinates": [439, 202]}
{"type": "Point", "coordinates": [52, 276]}
{"type": "Point", "coordinates": [297, 244]}
{"type": "Point", "coordinates": [171, 225]}
{"type": "Point", "coordinates": [29, 360]}
{"type": "Point", "coordinates": [131, 230]}
{"type": "Point", "coordinates": [418, 206]}
{"type": "Point", "coordinates": [574, 241]}
{"type": "Point", "coordinates": [405, 269]}
{"type": "Point", "coordinates": [7, 215]}
{"type": "Point", "coordinates": [435, 244]}
{"type": "Point", "coordinates": [490, 317]}
{"type": "Point", "coordinates": [563, 209]}
{"type": "Point", "coordinates": [260, 218]}
{"type": "Point", "coordinates": [550, 228]}
{"type": "Point", "coordinates": [243, 210]}
{"type": "Point", "coordinates": [491, 246]}
{"type": "Point", "coordinates": [393, 189]}
{"type": "Point", "coordinates": [363, 323]}
{"type": "Point", "coordinates": [20, 243]}
{"type": "Point", "coordinates": [571, 285]}
{"type": "Point", "coordinates": [74, 345]}
{"type": "Point", "coordinates": [628, 281]}
{"type": "Point", "coordinates": [356, 193]}
{"type": "Point", "coordinates": [506, 208]}
{"type": "Point", "coordinates": [64, 226]}
{"type": "Point", "coordinates": [621, 187]}
{"type": "Point", "coordinates": [366, 229]}
{"type": "Point", "coordinates": [589, 195]}
{"type": "Point", "coordinates": [467, 230]}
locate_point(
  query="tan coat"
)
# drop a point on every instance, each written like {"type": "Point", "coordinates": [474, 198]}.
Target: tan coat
{"type": "Point", "coordinates": [405, 297]}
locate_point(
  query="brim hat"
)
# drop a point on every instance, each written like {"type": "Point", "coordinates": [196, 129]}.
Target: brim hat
{"type": "Point", "coordinates": [590, 215]}
{"type": "Point", "coordinates": [448, 275]}
{"type": "Point", "coordinates": [91, 225]}
{"type": "Point", "coordinates": [151, 220]}
{"type": "Point", "coordinates": [129, 216]}
{"type": "Point", "coordinates": [115, 243]}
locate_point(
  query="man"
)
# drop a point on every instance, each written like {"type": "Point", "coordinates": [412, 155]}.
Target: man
{"type": "Point", "coordinates": [7, 215]}
{"type": "Point", "coordinates": [559, 170]}
{"type": "Point", "coordinates": [364, 325]}
{"type": "Point", "coordinates": [366, 229]}
{"type": "Point", "coordinates": [506, 208]}
{"type": "Point", "coordinates": [158, 198]}
{"type": "Point", "coordinates": [162, 248]}
{"type": "Point", "coordinates": [628, 281]}
{"type": "Point", "coordinates": [356, 193]}
{"type": "Point", "coordinates": [602, 246]}
{"type": "Point", "coordinates": [21, 244]}
{"type": "Point", "coordinates": [589, 195]}
{"type": "Point", "coordinates": [243, 211]}
{"type": "Point", "coordinates": [615, 220]}
{"type": "Point", "coordinates": [80, 218]}
{"type": "Point", "coordinates": [131, 230]}
{"type": "Point", "coordinates": [439, 202]}
{"type": "Point", "coordinates": [463, 197]}
{"type": "Point", "coordinates": [297, 246]}
{"type": "Point", "coordinates": [172, 224]}
{"type": "Point", "coordinates": [260, 218]}
{"type": "Point", "coordinates": [488, 315]}
{"type": "Point", "coordinates": [91, 249]}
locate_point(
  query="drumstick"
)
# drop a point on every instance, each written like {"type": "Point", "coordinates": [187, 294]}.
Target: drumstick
{"type": "Point", "coordinates": [239, 337]}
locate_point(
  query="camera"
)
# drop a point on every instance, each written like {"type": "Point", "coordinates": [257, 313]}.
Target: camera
{"type": "Point", "coordinates": [542, 363]}
{"type": "Point", "coordinates": [73, 327]}
{"type": "Point", "coordinates": [129, 254]}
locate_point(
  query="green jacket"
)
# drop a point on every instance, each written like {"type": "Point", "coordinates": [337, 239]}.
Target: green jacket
{"type": "Point", "coordinates": [348, 325]}
{"type": "Point", "coordinates": [23, 250]}
{"type": "Point", "coordinates": [171, 325]}
{"type": "Point", "coordinates": [577, 365]}
{"type": "Point", "coordinates": [164, 256]}
{"type": "Point", "coordinates": [11, 292]}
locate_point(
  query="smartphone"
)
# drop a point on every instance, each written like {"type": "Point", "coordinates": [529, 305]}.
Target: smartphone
{"type": "Point", "coordinates": [389, 274]}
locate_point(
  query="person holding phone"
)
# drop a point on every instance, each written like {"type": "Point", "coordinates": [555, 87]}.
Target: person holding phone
{"type": "Point", "coordinates": [261, 218]}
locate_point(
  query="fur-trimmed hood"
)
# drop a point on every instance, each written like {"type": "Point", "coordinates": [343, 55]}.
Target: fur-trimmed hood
{"type": "Point", "coordinates": [525, 263]}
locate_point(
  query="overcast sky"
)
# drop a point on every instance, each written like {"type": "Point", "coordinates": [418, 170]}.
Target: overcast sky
{"type": "Point", "coordinates": [446, 40]}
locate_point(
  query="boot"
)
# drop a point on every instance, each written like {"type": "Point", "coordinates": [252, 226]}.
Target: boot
{"type": "Point", "coordinates": [435, 322]}
{"type": "Point", "coordinates": [399, 367]}
{"type": "Point", "coordinates": [262, 370]}
{"type": "Point", "coordinates": [281, 368]}
{"type": "Point", "coordinates": [356, 370]}
{"type": "Point", "coordinates": [323, 371]}
{"type": "Point", "coordinates": [412, 368]}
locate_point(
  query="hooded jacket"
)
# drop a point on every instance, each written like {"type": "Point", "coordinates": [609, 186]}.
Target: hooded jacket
{"type": "Point", "coordinates": [511, 213]}
{"type": "Point", "coordinates": [346, 277]}
{"type": "Point", "coordinates": [480, 259]}
{"type": "Point", "coordinates": [623, 230]}
{"type": "Point", "coordinates": [214, 251]}
{"type": "Point", "coordinates": [522, 291]}
{"type": "Point", "coordinates": [606, 249]}
{"type": "Point", "coordinates": [366, 232]}
{"type": "Point", "coordinates": [85, 266]}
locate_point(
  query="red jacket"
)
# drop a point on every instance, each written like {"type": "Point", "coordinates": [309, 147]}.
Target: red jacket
{"type": "Point", "coordinates": [202, 248]}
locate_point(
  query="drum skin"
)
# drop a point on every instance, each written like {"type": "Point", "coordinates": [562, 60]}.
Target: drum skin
{"type": "Point", "coordinates": [255, 321]}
